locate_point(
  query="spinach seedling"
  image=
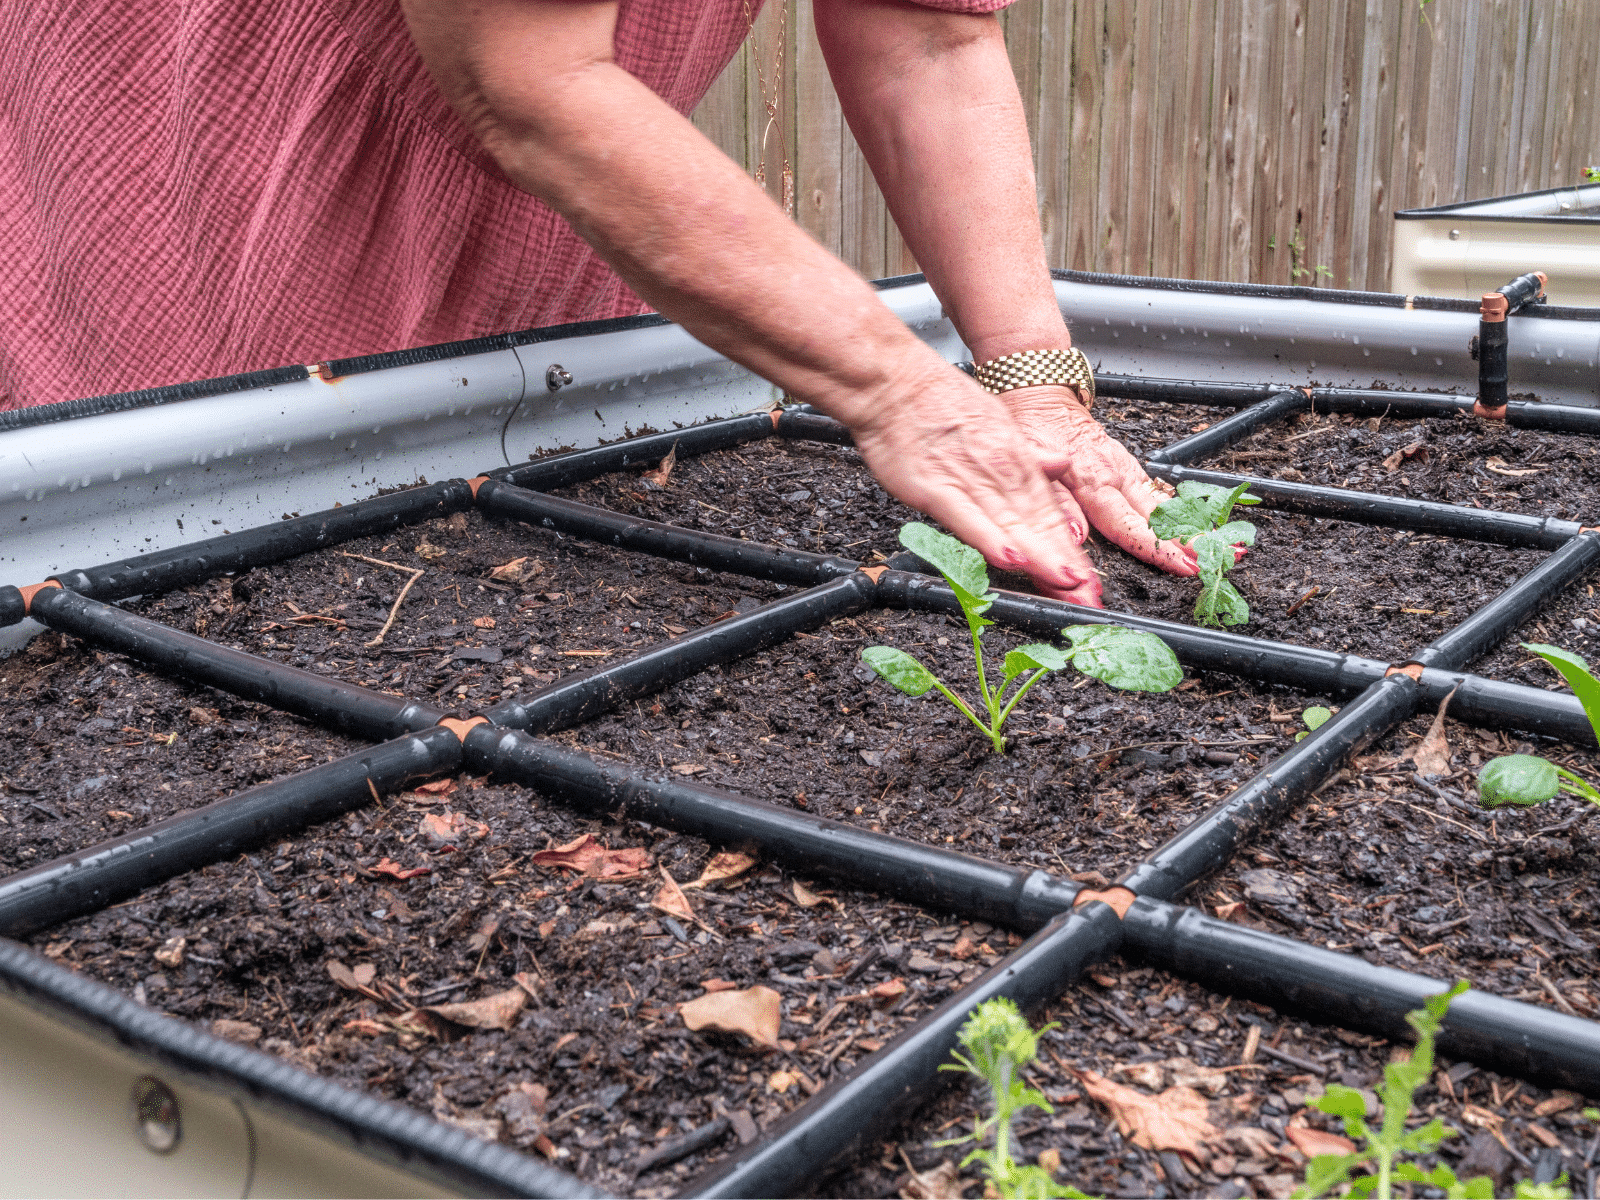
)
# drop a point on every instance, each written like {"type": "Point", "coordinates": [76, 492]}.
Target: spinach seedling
{"type": "Point", "coordinates": [999, 1043]}
{"type": "Point", "coordinates": [1198, 517]}
{"type": "Point", "coordinates": [1391, 1140]}
{"type": "Point", "coordinates": [1139, 662]}
{"type": "Point", "coordinates": [1527, 779]}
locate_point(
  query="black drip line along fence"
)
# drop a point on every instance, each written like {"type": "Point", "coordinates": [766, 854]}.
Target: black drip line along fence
{"type": "Point", "coordinates": [1070, 926]}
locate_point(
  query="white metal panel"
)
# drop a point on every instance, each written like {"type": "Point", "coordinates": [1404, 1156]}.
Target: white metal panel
{"type": "Point", "coordinates": [1462, 257]}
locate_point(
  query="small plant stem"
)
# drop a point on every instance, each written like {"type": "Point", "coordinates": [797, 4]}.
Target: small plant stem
{"type": "Point", "coordinates": [1385, 1190]}
{"type": "Point", "coordinates": [1002, 1121]}
{"type": "Point", "coordinates": [1578, 786]}
{"type": "Point", "coordinates": [962, 705]}
{"type": "Point", "coordinates": [1021, 692]}
{"type": "Point", "coordinates": [977, 654]}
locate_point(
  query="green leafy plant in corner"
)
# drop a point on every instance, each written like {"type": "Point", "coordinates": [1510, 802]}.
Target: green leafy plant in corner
{"type": "Point", "coordinates": [1591, 174]}
{"type": "Point", "coordinates": [1139, 662]}
{"type": "Point", "coordinates": [999, 1043]}
{"type": "Point", "coordinates": [1527, 779]}
{"type": "Point", "coordinates": [1199, 517]}
{"type": "Point", "coordinates": [1386, 1146]}
{"type": "Point", "coordinates": [1315, 718]}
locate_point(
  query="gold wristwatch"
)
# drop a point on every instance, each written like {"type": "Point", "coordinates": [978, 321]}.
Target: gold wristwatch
{"type": "Point", "coordinates": [1036, 368]}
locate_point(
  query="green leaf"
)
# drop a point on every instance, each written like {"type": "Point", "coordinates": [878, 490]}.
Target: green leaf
{"type": "Point", "coordinates": [1341, 1101]}
{"type": "Point", "coordinates": [1517, 779]}
{"type": "Point", "coordinates": [1214, 556]}
{"type": "Point", "coordinates": [1222, 502]}
{"type": "Point", "coordinates": [1576, 672]}
{"type": "Point", "coordinates": [1327, 1171]}
{"type": "Point", "coordinates": [1555, 1190]}
{"type": "Point", "coordinates": [1316, 717]}
{"type": "Point", "coordinates": [1034, 658]}
{"type": "Point", "coordinates": [1479, 1187]}
{"type": "Point", "coordinates": [1236, 533]}
{"type": "Point", "coordinates": [1363, 1185]}
{"type": "Point", "coordinates": [1124, 658]}
{"type": "Point", "coordinates": [959, 563]}
{"type": "Point", "coordinates": [899, 668]}
{"type": "Point", "coordinates": [1220, 603]}
{"type": "Point", "coordinates": [1187, 514]}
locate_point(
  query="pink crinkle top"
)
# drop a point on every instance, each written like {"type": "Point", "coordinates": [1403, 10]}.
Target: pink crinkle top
{"type": "Point", "coordinates": [193, 188]}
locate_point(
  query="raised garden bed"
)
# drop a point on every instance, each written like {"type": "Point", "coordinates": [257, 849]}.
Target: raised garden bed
{"type": "Point", "coordinates": [597, 1072]}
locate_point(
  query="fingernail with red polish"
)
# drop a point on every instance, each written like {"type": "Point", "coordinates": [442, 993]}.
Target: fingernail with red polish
{"type": "Point", "coordinates": [1012, 558]}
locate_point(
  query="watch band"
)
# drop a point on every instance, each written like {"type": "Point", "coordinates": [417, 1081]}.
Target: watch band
{"type": "Point", "coordinates": [1035, 368]}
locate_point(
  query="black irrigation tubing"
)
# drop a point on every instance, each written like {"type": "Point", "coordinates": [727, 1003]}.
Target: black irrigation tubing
{"type": "Point", "coordinates": [1525, 1040]}
{"type": "Point", "coordinates": [1394, 512]}
{"type": "Point", "coordinates": [91, 878]}
{"type": "Point", "coordinates": [329, 702]}
{"type": "Point", "coordinates": [456, 1161]}
{"type": "Point", "coordinates": [582, 696]}
{"type": "Point", "coordinates": [1495, 621]}
{"type": "Point", "coordinates": [1015, 897]}
{"type": "Point", "coordinates": [713, 551]}
{"type": "Point", "coordinates": [1498, 705]}
{"type": "Point", "coordinates": [853, 1112]}
{"type": "Point", "coordinates": [1211, 840]}
{"type": "Point", "coordinates": [579, 466]}
{"type": "Point", "coordinates": [164, 570]}
{"type": "Point", "coordinates": [813, 427]}
{"type": "Point", "coordinates": [1231, 429]}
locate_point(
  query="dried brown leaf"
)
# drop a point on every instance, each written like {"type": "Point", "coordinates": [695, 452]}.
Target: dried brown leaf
{"type": "Point", "coordinates": [498, 1011]}
{"type": "Point", "coordinates": [1431, 755]}
{"type": "Point", "coordinates": [450, 829]}
{"type": "Point", "coordinates": [514, 571]}
{"type": "Point", "coordinates": [438, 787]}
{"type": "Point", "coordinates": [1173, 1120]}
{"type": "Point", "coordinates": [806, 898]}
{"type": "Point", "coordinates": [426, 549]}
{"type": "Point", "coordinates": [387, 866]}
{"type": "Point", "coordinates": [588, 857]}
{"type": "Point", "coordinates": [942, 1182]}
{"type": "Point", "coordinates": [671, 900]}
{"type": "Point", "coordinates": [688, 769]}
{"type": "Point", "coordinates": [364, 974]}
{"type": "Point", "coordinates": [730, 864]}
{"type": "Point", "coordinates": [483, 622]}
{"type": "Point", "coordinates": [1312, 1142]}
{"type": "Point", "coordinates": [1500, 467]}
{"type": "Point", "coordinates": [755, 1012]}
{"type": "Point", "coordinates": [342, 975]}
{"type": "Point", "coordinates": [663, 471]}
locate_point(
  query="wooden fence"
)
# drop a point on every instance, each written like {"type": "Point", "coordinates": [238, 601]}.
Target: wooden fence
{"type": "Point", "coordinates": [1266, 141]}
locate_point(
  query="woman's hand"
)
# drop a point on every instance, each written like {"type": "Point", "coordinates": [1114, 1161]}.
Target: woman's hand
{"type": "Point", "coordinates": [954, 452]}
{"type": "Point", "coordinates": [1100, 483]}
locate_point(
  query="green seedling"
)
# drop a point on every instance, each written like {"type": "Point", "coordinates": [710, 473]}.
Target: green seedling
{"type": "Point", "coordinates": [999, 1044]}
{"type": "Point", "coordinates": [1138, 662]}
{"type": "Point", "coordinates": [1385, 1146]}
{"type": "Point", "coordinates": [1315, 718]}
{"type": "Point", "coordinates": [1198, 516]}
{"type": "Point", "coordinates": [1527, 779]}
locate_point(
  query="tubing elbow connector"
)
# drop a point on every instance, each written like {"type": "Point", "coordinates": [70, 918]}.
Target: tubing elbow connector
{"type": "Point", "coordinates": [461, 727]}
{"type": "Point", "coordinates": [31, 591]}
{"type": "Point", "coordinates": [1411, 669]}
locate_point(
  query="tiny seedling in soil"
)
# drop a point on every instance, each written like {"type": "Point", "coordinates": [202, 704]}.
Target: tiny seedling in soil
{"type": "Point", "coordinates": [1527, 779]}
{"type": "Point", "coordinates": [1388, 1143]}
{"type": "Point", "coordinates": [1315, 718]}
{"type": "Point", "coordinates": [1198, 517]}
{"type": "Point", "coordinates": [999, 1044]}
{"type": "Point", "coordinates": [1137, 662]}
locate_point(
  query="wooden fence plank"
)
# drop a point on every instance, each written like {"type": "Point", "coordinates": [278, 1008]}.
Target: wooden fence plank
{"type": "Point", "coordinates": [1231, 139]}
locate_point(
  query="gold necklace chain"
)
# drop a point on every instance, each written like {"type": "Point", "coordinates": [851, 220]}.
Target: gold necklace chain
{"type": "Point", "coordinates": [769, 101]}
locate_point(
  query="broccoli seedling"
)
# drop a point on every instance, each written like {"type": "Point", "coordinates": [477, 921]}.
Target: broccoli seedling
{"type": "Point", "coordinates": [1198, 517]}
{"type": "Point", "coordinates": [1387, 1143]}
{"type": "Point", "coordinates": [1000, 1043]}
{"type": "Point", "coordinates": [1139, 662]}
{"type": "Point", "coordinates": [1527, 779]}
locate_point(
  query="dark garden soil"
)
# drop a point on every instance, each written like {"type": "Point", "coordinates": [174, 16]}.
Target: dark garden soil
{"type": "Point", "coordinates": [597, 1070]}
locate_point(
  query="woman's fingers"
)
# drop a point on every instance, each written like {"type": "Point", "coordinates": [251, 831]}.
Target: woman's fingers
{"type": "Point", "coordinates": [965, 463]}
{"type": "Point", "coordinates": [1110, 487]}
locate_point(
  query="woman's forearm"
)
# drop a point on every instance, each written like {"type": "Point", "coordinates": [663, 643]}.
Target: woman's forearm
{"type": "Point", "coordinates": [933, 103]}
{"type": "Point", "coordinates": [682, 224]}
